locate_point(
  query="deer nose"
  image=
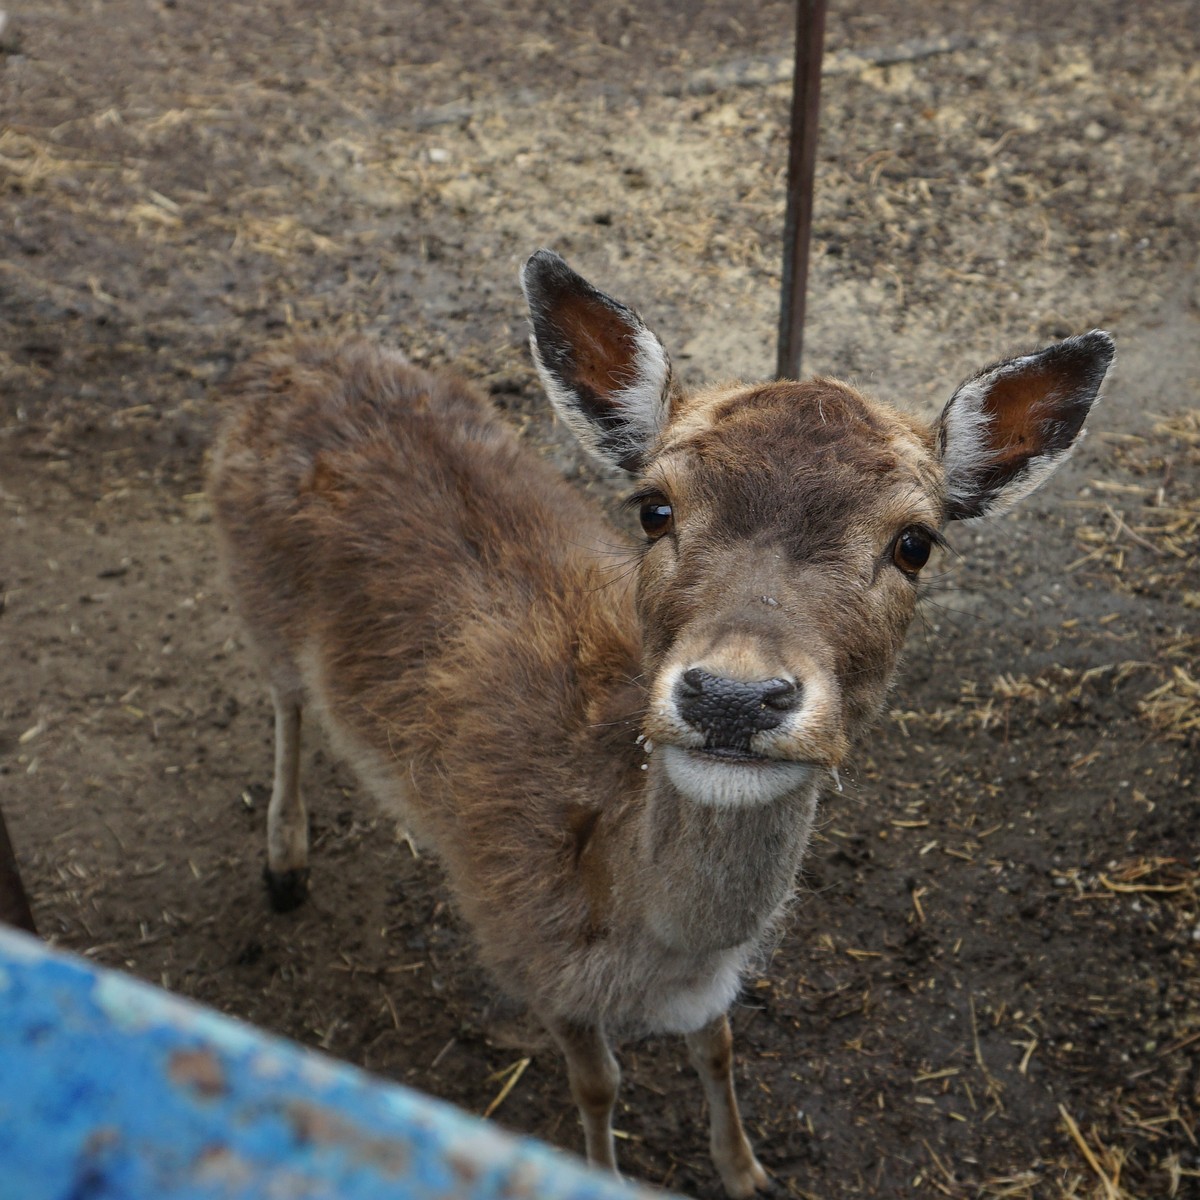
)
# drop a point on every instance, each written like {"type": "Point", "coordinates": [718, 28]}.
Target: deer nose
{"type": "Point", "coordinates": [730, 711]}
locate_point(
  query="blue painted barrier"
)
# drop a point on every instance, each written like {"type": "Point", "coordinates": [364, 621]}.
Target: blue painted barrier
{"type": "Point", "coordinates": [111, 1089]}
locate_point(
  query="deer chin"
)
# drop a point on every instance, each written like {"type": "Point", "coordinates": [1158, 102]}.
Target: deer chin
{"type": "Point", "coordinates": [731, 779]}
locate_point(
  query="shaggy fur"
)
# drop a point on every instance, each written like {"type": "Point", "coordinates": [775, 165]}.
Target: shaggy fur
{"type": "Point", "coordinates": [470, 632]}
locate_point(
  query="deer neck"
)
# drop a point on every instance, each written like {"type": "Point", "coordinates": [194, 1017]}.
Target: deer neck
{"type": "Point", "coordinates": [699, 878]}
{"type": "Point", "coordinates": [717, 877]}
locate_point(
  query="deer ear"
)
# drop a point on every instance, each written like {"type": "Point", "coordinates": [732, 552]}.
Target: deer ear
{"type": "Point", "coordinates": [603, 369]}
{"type": "Point", "coordinates": [1008, 429]}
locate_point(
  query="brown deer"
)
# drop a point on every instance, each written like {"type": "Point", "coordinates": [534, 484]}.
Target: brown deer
{"type": "Point", "coordinates": [616, 750]}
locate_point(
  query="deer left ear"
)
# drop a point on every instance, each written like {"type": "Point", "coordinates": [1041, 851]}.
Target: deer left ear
{"type": "Point", "coordinates": [1008, 429]}
{"type": "Point", "coordinates": [606, 373]}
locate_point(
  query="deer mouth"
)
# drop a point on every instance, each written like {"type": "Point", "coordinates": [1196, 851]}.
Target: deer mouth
{"type": "Point", "coordinates": [732, 754]}
{"type": "Point", "coordinates": [730, 777]}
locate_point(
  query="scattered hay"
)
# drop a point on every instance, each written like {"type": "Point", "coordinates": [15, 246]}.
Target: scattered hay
{"type": "Point", "coordinates": [510, 1075]}
{"type": "Point", "coordinates": [1050, 696]}
{"type": "Point", "coordinates": [1105, 1161]}
{"type": "Point", "coordinates": [1173, 709]}
{"type": "Point", "coordinates": [1182, 427]}
{"type": "Point", "coordinates": [27, 163]}
{"type": "Point", "coordinates": [1169, 877]}
{"type": "Point", "coordinates": [1166, 521]}
{"type": "Point", "coordinates": [282, 237]}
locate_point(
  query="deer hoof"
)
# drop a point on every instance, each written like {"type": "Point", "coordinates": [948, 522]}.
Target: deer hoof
{"type": "Point", "coordinates": [747, 1180]}
{"type": "Point", "coordinates": [286, 889]}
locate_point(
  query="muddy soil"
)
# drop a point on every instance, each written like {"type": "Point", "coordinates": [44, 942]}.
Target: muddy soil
{"type": "Point", "coordinates": [990, 984]}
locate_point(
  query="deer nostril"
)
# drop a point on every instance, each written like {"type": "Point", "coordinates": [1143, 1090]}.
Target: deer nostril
{"type": "Point", "coordinates": [780, 694]}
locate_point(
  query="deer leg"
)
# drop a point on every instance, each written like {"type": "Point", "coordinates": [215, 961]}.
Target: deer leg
{"type": "Point", "coordinates": [286, 873]}
{"type": "Point", "coordinates": [711, 1052]}
{"type": "Point", "coordinates": [594, 1077]}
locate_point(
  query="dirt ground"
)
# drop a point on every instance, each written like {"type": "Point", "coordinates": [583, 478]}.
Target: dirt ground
{"type": "Point", "coordinates": [990, 986]}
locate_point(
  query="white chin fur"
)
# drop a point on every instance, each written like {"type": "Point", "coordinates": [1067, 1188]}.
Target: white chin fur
{"type": "Point", "coordinates": [705, 780]}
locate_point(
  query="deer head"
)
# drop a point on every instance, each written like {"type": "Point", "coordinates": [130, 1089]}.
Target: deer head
{"type": "Point", "coordinates": [786, 526]}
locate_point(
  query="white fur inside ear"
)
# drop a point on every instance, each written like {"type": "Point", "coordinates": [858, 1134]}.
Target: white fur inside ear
{"type": "Point", "coordinates": [641, 404]}
{"type": "Point", "coordinates": [644, 398]}
{"type": "Point", "coordinates": [966, 450]}
{"type": "Point", "coordinates": [1031, 477]}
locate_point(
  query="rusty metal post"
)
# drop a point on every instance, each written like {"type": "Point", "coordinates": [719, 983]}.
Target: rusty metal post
{"type": "Point", "coordinates": [14, 904]}
{"type": "Point", "coordinates": [802, 157]}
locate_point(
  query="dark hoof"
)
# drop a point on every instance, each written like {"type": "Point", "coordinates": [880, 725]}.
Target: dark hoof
{"type": "Point", "coordinates": [287, 889]}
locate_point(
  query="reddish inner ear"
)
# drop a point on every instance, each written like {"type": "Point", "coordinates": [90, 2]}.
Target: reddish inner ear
{"type": "Point", "coordinates": [1012, 407]}
{"type": "Point", "coordinates": [1032, 414]}
{"type": "Point", "coordinates": [604, 347]}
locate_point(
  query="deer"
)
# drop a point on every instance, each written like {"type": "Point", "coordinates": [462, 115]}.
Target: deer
{"type": "Point", "coordinates": [614, 745]}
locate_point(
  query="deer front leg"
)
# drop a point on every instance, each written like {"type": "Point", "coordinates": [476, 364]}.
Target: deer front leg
{"type": "Point", "coordinates": [287, 821]}
{"type": "Point", "coordinates": [595, 1077]}
{"type": "Point", "coordinates": [711, 1052]}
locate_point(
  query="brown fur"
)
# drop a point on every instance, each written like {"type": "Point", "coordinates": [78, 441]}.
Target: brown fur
{"type": "Point", "coordinates": [346, 491]}
{"type": "Point", "coordinates": [489, 653]}
{"type": "Point", "coordinates": [471, 621]}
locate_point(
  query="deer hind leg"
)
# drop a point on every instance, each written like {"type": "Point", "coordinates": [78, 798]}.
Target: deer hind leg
{"type": "Point", "coordinates": [595, 1078]}
{"type": "Point", "coordinates": [286, 872]}
{"type": "Point", "coordinates": [711, 1052]}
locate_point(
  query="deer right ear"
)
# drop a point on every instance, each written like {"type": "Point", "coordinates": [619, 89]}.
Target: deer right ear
{"type": "Point", "coordinates": [605, 372]}
{"type": "Point", "coordinates": [1009, 428]}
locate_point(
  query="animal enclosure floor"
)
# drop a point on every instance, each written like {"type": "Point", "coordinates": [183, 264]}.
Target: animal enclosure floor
{"type": "Point", "coordinates": [990, 982]}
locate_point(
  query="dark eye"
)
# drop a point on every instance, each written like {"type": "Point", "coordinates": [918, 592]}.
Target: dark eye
{"type": "Point", "coordinates": [656, 515]}
{"type": "Point", "coordinates": [910, 551]}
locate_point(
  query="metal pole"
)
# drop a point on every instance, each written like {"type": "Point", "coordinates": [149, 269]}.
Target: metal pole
{"type": "Point", "coordinates": [802, 156]}
{"type": "Point", "coordinates": [14, 905]}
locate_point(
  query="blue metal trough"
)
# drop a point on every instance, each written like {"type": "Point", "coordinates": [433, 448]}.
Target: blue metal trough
{"type": "Point", "coordinates": [111, 1089]}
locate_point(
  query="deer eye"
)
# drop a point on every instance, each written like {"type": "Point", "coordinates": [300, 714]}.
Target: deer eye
{"type": "Point", "coordinates": [656, 515]}
{"type": "Point", "coordinates": [910, 551]}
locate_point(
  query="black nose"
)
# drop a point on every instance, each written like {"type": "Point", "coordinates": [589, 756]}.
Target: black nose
{"type": "Point", "coordinates": [730, 711]}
